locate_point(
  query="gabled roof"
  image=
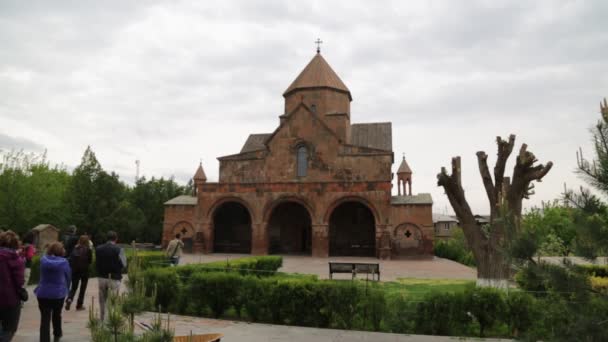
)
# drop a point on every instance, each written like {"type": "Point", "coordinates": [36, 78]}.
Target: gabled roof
{"type": "Point", "coordinates": [377, 135]}
{"type": "Point", "coordinates": [318, 74]}
{"type": "Point", "coordinates": [443, 218]}
{"type": "Point", "coordinates": [255, 142]}
{"type": "Point", "coordinates": [404, 168]}
{"type": "Point", "coordinates": [289, 116]}
{"type": "Point", "coordinates": [423, 198]}
{"type": "Point", "coordinates": [182, 200]}
{"type": "Point", "coordinates": [200, 173]}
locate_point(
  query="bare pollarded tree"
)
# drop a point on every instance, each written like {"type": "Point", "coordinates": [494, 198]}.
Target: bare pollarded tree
{"type": "Point", "coordinates": [505, 195]}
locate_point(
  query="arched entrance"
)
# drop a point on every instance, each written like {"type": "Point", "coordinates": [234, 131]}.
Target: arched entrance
{"type": "Point", "coordinates": [407, 240]}
{"type": "Point", "coordinates": [290, 229]}
{"type": "Point", "coordinates": [187, 234]}
{"type": "Point", "coordinates": [231, 228]}
{"type": "Point", "coordinates": [352, 230]}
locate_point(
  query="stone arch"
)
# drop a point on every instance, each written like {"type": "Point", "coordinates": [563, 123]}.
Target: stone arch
{"type": "Point", "coordinates": [359, 199]}
{"type": "Point", "coordinates": [186, 230]}
{"type": "Point", "coordinates": [218, 203]}
{"type": "Point", "coordinates": [231, 226]}
{"type": "Point", "coordinates": [270, 206]}
{"type": "Point", "coordinates": [407, 240]}
{"type": "Point", "coordinates": [289, 226]}
{"type": "Point", "coordinates": [352, 228]}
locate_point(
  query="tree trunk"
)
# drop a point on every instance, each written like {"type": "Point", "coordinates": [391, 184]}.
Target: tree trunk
{"type": "Point", "coordinates": [505, 198]}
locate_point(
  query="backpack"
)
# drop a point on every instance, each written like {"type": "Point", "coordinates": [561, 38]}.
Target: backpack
{"type": "Point", "coordinates": [79, 259]}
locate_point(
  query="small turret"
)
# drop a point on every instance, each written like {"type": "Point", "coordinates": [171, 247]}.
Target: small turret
{"type": "Point", "coordinates": [199, 177]}
{"type": "Point", "coordinates": [404, 175]}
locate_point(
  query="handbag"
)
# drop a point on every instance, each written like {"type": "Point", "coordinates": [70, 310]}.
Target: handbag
{"type": "Point", "coordinates": [23, 295]}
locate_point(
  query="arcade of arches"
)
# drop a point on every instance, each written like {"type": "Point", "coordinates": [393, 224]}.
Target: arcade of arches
{"type": "Point", "coordinates": [318, 184]}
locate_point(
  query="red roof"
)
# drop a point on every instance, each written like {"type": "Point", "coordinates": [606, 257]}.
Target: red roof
{"type": "Point", "coordinates": [318, 74]}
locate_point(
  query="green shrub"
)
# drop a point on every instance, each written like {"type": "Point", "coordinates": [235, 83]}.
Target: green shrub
{"type": "Point", "coordinates": [487, 306]}
{"type": "Point", "coordinates": [166, 283]}
{"type": "Point", "coordinates": [372, 308]}
{"type": "Point", "coordinates": [455, 248]}
{"type": "Point", "coordinates": [400, 314]}
{"type": "Point", "coordinates": [341, 299]}
{"type": "Point", "coordinates": [434, 314]}
{"type": "Point", "coordinates": [521, 312]}
{"type": "Point", "coordinates": [594, 270]}
{"type": "Point", "coordinates": [215, 290]}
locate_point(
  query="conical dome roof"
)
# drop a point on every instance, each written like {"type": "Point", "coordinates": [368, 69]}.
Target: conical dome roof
{"type": "Point", "coordinates": [200, 173]}
{"type": "Point", "coordinates": [404, 168]}
{"type": "Point", "coordinates": [317, 74]}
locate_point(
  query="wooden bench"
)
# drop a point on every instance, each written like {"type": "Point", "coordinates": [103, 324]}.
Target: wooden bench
{"type": "Point", "coordinates": [354, 268]}
{"type": "Point", "coordinates": [199, 338]}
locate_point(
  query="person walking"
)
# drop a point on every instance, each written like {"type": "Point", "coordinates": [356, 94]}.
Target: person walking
{"type": "Point", "coordinates": [70, 240]}
{"type": "Point", "coordinates": [27, 252]}
{"type": "Point", "coordinates": [12, 269]}
{"type": "Point", "coordinates": [174, 250]}
{"type": "Point", "coordinates": [80, 260]}
{"type": "Point", "coordinates": [55, 277]}
{"type": "Point", "coordinates": [110, 261]}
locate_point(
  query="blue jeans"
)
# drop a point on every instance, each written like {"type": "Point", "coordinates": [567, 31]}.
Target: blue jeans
{"type": "Point", "coordinates": [174, 261]}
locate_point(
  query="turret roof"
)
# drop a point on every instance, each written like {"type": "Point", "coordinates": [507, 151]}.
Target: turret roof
{"type": "Point", "coordinates": [200, 173]}
{"type": "Point", "coordinates": [404, 168]}
{"type": "Point", "coordinates": [318, 74]}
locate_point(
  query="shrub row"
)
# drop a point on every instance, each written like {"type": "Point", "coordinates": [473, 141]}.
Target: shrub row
{"type": "Point", "coordinates": [148, 259]}
{"type": "Point", "coordinates": [170, 280]}
{"type": "Point", "coordinates": [595, 270]}
{"type": "Point", "coordinates": [453, 250]}
{"type": "Point", "coordinates": [307, 301]}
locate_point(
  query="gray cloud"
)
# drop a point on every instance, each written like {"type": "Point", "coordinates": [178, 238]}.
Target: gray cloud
{"type": "Point", "coordinates": [8, 142]}
{"type": "Point", "coordinates": [170, 83]}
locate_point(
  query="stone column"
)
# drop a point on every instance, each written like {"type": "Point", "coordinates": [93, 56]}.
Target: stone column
{"type": "Point", "coordinates": [383, 242]}
{"type": "Point", "coordinates": [259, 239]}
{"type": "Point", "coordinates": [320, 240]}
{"type": "Point", "coordinates": [207, 236]}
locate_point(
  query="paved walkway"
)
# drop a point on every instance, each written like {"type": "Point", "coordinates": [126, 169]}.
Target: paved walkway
{"type": "Point", "coordinates": [431, 268]}
{"type": "Point", "coordinates": [75, 322]}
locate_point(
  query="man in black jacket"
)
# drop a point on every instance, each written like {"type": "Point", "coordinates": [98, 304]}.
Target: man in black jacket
{"type": "Point", "coordinates": [110, 261]}
{"type": "Point", "coordinates": [70, 240]}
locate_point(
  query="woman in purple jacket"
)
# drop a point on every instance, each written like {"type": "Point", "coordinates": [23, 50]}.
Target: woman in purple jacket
{"type": "Point", "coordinates": [11, 280]}
{"type": "Point", "coordinates": [55, 277]}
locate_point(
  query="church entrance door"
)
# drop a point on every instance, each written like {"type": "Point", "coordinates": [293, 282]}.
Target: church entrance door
{"type": "Point", "coordinates": [290, 229]}
{"type": "Point", "coordinates": [231, 229]}
{"type": "Point", "coordinates": [352, 231]}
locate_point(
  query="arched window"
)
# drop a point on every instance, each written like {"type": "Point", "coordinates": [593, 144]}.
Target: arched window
{"type": "Point", "coordinates": [302, 161]}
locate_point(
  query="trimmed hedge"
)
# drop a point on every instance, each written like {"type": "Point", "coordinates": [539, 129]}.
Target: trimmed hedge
{"type": "Point", "coordinates": [307, 301]}
{"type": "Point", "coordinates": [171, 280]}
{"type": "Point", "coordinates": [148, 259]}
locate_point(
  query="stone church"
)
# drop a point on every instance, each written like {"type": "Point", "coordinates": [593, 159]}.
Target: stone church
{"type": "Point", "coordinates": [317, 185]}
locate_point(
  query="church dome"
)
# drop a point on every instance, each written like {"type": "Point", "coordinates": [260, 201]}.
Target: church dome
{"type": "Point", "coordinates": [317, 74]}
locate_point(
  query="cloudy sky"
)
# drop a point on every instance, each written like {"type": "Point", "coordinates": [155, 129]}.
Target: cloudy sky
{"type": "Point", "coordinates": [171, 82]}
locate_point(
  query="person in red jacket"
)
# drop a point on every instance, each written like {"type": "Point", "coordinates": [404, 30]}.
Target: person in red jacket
{"type": "Point", "coordinates": [12, 268]}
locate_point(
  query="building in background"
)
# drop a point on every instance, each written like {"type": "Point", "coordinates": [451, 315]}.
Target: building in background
{"type": "Point", "coordinates": [317, 185]}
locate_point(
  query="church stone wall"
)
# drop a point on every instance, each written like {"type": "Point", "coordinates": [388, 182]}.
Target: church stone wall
{"type": "Point", "coordinates": [175, 215]}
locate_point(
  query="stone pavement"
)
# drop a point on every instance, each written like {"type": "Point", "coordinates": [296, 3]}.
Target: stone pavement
{"type": "Point", "coordinates": [430, 268]}
{"type": "Point", "coordinates": [75, 322]}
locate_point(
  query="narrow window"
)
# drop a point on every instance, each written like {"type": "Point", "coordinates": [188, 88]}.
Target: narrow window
{"type": "Point", "coordinates": [302, 160]}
